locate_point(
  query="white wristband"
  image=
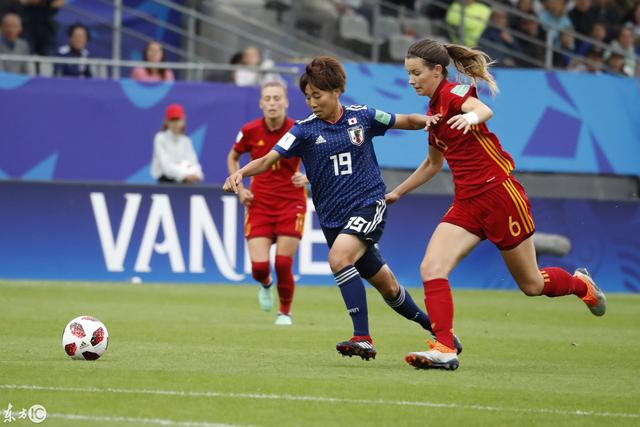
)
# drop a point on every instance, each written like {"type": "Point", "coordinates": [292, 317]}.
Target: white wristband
{"type": "Point", "coordinates": [471, 118]}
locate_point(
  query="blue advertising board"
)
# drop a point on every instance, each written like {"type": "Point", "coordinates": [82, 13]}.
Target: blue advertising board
{"type": "Point", "coordinates": [194, 234]}
{"type": "Point", "coordinates": [103, 130]}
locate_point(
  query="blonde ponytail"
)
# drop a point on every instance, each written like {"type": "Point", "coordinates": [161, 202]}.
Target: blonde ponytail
{"type": "Point", "coordinates": [472, 63]}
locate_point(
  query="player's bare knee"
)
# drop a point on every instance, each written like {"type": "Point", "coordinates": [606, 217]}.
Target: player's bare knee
{"type": "Point", "coordinates": [430, 270]}
{"type": "Point", "coordinates": [531, 288]}
{"type": "Point", "coordinates": [339, 260]}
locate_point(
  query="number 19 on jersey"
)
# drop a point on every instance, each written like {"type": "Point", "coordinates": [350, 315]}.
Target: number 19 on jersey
{"type": "Point", "coordinates": [341, 163]}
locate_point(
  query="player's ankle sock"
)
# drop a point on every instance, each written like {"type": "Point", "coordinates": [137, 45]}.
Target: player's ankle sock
{"type": "Point", "coordinates": [355, 298]}
{"type": "Point", "coordinates": [439, 304]}
{"type": "Point", "coordinates": [261, 272]}
{"type": "Point", "coordinates": [404, 305]}
{"type": "Point", "coordinates": [286, 284]}
{"type": "Point", "coordinates": [557, 283]}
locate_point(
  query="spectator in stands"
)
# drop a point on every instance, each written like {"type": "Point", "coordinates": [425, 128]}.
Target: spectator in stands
{"type": "Point", "coordinates": [633, 20]}
{"type": "Point", "coordinates": [10, 30]}
{"type": "Point", "coordinates": [534, 45]}
{"type": "Point", "coordinates": [598, 32]}
{"type": "Point", "coordinates": [593, 61]}
{"type": "Point", "coordinates": [501, 42]}
{"type": "Point", "coordinates": [603, 11]}
{"type": "Point", "coordinates": [153, 52]}
{"type": "Point", "coordinates": [581, 18]}
{"type": "Point", "coordinates": [76, 48]}
{"type": "Point", "coordinates": [624, 45]}
{"type": "Point", "coordinates": [174, 159]}
{"type": "Point", "coordinates": [10, 6]}
{"type": "Point", "coordinates": [251, 57]}
{"type": "Point", "coordinates": [476, 16]}
{"type": "Point", "coordinates": [39, 24]}
{"type": "Point", "coordinates": [554, 17]}
{"type": "Point", "coordinates": [524, 6]}
{"type": "Point", "coordinates": [563, 57]}
{"type": "Point", "coordinates": [615, 63]}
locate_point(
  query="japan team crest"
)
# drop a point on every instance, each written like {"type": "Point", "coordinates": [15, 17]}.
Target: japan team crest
{"type": "Point", "coordinates": [356, 134]}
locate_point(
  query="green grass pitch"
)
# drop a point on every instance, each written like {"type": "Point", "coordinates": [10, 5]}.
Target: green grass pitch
{"type": "Point", "coordinates": [194, 355]}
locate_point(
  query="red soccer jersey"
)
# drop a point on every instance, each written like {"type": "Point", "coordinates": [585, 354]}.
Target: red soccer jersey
{"type": "Point", "coordinates": [256, 138]}
{"type": "Point", "coordinates": [477, 161]}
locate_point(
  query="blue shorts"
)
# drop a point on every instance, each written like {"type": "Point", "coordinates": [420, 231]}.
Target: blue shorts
{"type": "Point", "coordinates": [367, 224]}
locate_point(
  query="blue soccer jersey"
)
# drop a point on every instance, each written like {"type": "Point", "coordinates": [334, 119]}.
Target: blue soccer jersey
{"type": "Point", "coordinates": [339, 160]}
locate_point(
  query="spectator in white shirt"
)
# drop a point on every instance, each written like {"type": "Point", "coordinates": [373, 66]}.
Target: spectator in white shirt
{"type": "Point", "coordinates": [252, 58]}
{"type": "Point", "coordinates": [174, 159]}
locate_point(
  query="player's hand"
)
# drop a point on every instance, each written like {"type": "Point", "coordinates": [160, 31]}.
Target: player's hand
{"type": "Point", "coordinates": [232, 183]}
{"type": "Point", "coordinates": [459, 122]}
{"type": "Point", "coordinates": [432, 121]}
{"type": "Point", "coordinates": [245, 196]}
{"type": "Point", "coordinates": [299, 179]}
{"type": "Point", "coordinates": [391, 197]}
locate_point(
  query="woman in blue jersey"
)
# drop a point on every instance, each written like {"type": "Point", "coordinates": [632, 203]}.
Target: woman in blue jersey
{"type": "Point", "coordinates": [335, 144]}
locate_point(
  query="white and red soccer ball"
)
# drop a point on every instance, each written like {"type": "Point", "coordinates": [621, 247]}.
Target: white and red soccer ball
{"type": "Point", "coordinates": [85, 337]}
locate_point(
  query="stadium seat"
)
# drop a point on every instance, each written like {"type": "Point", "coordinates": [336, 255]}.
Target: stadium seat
{"type": "Point", "coordinates": [421, 27]}
{"type": "Point", "coordinates": [398, 46]}
{"type": "Point", "coordinates": [355, 27]}
{"type": "Point", "coordinates": [385, 26]}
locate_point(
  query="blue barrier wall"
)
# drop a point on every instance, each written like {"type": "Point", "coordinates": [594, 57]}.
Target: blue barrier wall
{"type": "Point", "coordinates": [103, 130]}
{"type": "Point", "coordinates": [69, 231]}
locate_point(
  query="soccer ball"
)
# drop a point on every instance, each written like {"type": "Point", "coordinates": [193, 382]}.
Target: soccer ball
{"type": "Point", "coordinates": [85, 337]}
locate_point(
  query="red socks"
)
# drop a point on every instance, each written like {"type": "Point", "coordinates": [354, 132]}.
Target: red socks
{"type": "Point", "coordinates": [284, 270]}
{"type": "Point", "coordinates": [439, 304]}
{"type": "Point", "coordinates": [261, 272]}
{"type": "Point", "coordinates": [557, 283]}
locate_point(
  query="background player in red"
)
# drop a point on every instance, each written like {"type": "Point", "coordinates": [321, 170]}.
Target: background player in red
{"type": "Point", "coordinates": [489, 203]}
{"type": "Point", "coordinates": [276, 203]}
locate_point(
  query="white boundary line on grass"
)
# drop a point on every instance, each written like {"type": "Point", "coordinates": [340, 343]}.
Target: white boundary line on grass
{"type": "Point", "coordinates": [289, 397]}
{"type": "Point", "coordinates": [137, 421]}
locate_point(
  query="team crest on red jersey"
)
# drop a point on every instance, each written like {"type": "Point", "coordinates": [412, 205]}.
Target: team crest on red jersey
{"type": "Point", "coordinates": [356, 134]}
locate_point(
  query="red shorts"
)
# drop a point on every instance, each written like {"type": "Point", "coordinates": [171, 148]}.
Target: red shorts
{"type": "Point", "coordinates": [283, 220]}
{"type": "Point", "coordinates": [501, 214]}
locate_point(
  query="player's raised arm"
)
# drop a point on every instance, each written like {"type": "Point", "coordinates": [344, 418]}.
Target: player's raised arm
{"type": "Point", "coordinates": [429, 167]}
{"type": "Point", "coordinates": [475, 111]}
{"type": "Point", "coordinates": [254, 167]}
{"type": "Point", "coordinates": [410, 121]}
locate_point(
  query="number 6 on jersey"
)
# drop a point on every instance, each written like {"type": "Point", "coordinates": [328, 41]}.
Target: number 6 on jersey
{"type": "Point", "coordinates": [339, 161]}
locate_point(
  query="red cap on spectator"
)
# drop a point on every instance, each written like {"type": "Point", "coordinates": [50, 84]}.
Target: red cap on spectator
{"type": "Point", "coordinates": [174, 111]}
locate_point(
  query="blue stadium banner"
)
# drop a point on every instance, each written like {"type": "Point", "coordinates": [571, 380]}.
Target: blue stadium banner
{"type": "Point", "coordinates": [194, 234]}
{"type": "Point", "coordinates": [103, 130]}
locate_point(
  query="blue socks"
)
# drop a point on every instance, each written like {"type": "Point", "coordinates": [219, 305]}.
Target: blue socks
{"type": "Point", "coordinates": [355, 298]}
{"type": "Point", "coordinates": [403, 305]}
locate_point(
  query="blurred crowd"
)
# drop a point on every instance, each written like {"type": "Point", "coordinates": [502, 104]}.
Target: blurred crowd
{"type": "Point", "coordinates": [513, 32]}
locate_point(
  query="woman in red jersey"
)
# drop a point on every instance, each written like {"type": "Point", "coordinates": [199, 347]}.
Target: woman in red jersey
{"type": "Point", "coordinates": [489, 202]}
{"type": "Point", "coordinates": [276, 203]}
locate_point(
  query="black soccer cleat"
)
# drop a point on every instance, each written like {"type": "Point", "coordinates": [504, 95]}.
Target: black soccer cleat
{"type": "Point", "coordinates": [357, 346]}
{"type": "Point", "coordinates": [457, 344]}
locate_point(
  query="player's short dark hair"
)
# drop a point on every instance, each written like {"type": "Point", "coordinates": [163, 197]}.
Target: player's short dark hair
{"type": "Point", "coordinates": [325, 73]}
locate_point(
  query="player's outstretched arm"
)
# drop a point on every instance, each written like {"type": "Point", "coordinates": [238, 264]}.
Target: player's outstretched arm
{"type": "Point", "coordinates": [431, 166]}
{"type": "Point", "coordinates": [233, 164]}
{"type": "Point", "coordinates": [254, 167]}
{"type": "Point", "coordinates": [475, 111]}
{"type": "Point", "coordinates": [410, 121]}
